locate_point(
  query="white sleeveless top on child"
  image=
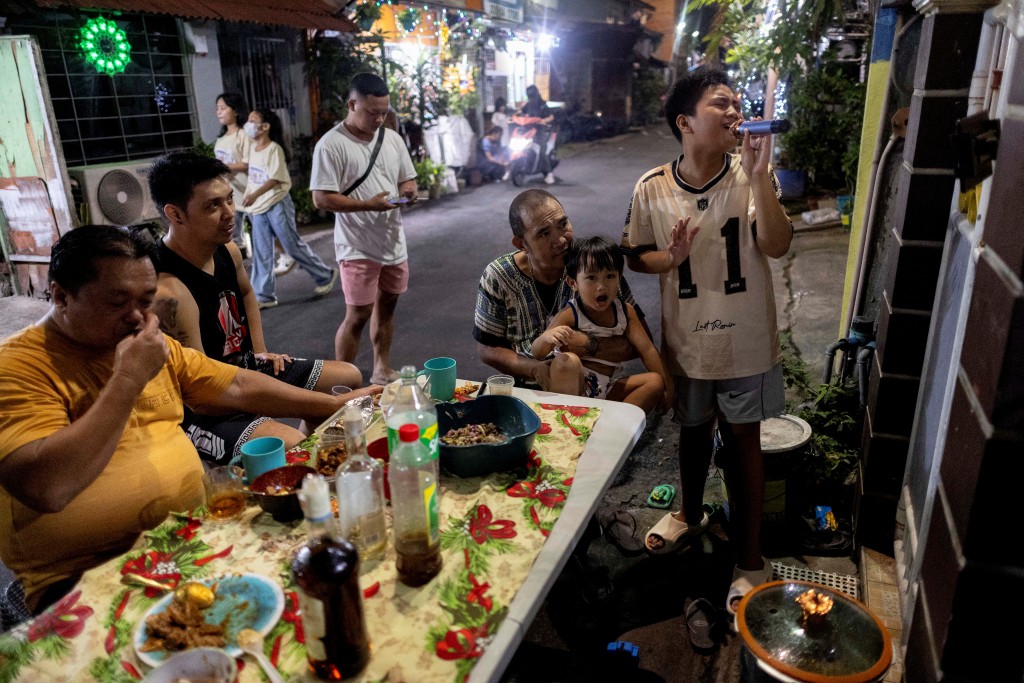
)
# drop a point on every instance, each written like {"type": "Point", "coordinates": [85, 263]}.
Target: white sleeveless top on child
{"type": "Point", "coordinates": [596, 384]}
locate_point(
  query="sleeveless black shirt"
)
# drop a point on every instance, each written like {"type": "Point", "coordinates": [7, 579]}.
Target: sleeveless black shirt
{"type": "Point", "coordinates": [223, 324]}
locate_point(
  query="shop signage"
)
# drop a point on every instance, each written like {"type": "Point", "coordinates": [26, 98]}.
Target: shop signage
{"type": "Point", "coordinates": [509, 10]}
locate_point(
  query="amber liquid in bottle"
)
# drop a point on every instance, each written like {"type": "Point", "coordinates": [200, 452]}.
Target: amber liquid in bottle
{"type": "Point", "coordinates": [326, 571]}
{"type": "Point", "coordinates": [418, 561]}
{"type": "Point", "coordinates": [326, 574]}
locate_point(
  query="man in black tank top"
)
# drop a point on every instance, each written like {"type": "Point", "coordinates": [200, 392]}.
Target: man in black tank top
{"type": "Point", "coordinates": [205, 301]}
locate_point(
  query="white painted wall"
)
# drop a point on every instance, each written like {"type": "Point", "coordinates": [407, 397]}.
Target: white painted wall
{"type": "Point", "coordinates": [206, 79]}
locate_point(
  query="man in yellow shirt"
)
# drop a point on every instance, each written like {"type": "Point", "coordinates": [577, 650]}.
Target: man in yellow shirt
{"type": "Point", "coordinates": [91, 398]}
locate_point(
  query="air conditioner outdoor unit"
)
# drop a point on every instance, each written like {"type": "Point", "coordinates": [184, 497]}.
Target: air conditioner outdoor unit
{"type": "Point", "coordinates": [115, 193]}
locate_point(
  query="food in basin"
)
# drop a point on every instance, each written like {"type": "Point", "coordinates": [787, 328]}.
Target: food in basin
{"type": "Point", "coordinates": [512, 419]}
{"type": "Point", "coordinates": [276, 491]}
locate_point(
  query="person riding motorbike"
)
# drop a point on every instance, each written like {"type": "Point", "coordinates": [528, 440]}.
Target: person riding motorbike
{"type": "Point", "coordinates": [537, 107]}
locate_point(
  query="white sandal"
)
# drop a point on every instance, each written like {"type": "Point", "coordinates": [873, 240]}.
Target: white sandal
{"type": "Point", "coordinates": [744, 581]}
{"type": "Point", "coordinates": [673, 534]}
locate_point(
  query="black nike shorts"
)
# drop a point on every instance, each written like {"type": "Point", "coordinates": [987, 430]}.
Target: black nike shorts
{"type": "Point", "coordinates": [740, 401]}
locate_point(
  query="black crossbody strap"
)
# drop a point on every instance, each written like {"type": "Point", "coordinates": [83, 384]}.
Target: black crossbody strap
{"type": "Point", "coordinates": [373, 159]}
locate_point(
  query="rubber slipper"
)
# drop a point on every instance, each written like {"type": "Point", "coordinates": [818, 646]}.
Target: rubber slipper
{"type": "Point", "coordinates": [701, 619]}
{"type": "Point", "coordinates": [744, 581]}
{"type": "Point", "coordinates": [620, 529]}
{"type": "Point", "coordinates": [669, 534]}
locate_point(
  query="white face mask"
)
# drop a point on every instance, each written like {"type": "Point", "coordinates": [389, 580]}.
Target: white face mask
{"type": "Point", "coordinates": [250, 129]}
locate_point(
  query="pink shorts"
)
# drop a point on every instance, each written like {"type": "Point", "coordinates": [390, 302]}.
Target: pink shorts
{"type": "Point", "coordinates": [361, 278]}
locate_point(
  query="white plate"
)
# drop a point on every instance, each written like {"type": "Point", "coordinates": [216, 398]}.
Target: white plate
{"type": "Point", "coordinates": [245, 600]}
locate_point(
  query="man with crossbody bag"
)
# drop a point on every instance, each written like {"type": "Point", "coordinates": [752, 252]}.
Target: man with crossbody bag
{"type": "Point", "coordinates": [362, 172]}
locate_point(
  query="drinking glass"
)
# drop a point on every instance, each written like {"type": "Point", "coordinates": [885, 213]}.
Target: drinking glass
{"type": "Point", "coordinates": [225, 495]}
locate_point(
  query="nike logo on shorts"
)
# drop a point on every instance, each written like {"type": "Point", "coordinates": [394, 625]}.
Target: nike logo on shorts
{"type": "Point", "coordinates": [736, 394]}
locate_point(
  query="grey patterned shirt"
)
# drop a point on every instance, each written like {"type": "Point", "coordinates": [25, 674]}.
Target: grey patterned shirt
{"type": "Point", "coordinates": [509, 312]}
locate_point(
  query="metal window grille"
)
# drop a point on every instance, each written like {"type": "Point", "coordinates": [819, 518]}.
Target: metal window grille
{"type": "Point", "coordinates": [140, 113]}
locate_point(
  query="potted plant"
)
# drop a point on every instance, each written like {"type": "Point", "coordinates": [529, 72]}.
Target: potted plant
{"type": "Point", "coordinates": [408, 19]}
{"type": "Point", "coordinates": [428, 178]}
{"type": "Point", "coordinates": [366, 15]}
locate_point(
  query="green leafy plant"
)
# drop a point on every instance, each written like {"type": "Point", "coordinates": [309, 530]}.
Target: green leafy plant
{"type": "Point", "coordinates": [366, 14]}
{"type": "Point", "coordinates": [648, 89]}
{"type": "Point", "coordinates": [835, 418]}
{"type": "Point", "coordinates": [825, 108]}
{"type": "Point", "coordinates": [408, 19]}
{"type": "Point", "coordinates": [202, 148]}
{"type": "Point", "coordinates": [834, 413]}
{"type": "Point", "coordinates": [304, 209]}
{"type": "Point", "coordinates": [331, 62]}
{"type": "Point", "coordinates": [428, 174]}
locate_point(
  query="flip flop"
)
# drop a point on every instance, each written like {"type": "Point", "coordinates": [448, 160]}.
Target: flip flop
{"type": "Point", "coordinates": [672, 534]}
{"type": "Point", "coordinates": [744, 581]}
{"type": "Point", "coordinates": [701, 619]}
{"type": "Point", "coordinates": [620, 529]}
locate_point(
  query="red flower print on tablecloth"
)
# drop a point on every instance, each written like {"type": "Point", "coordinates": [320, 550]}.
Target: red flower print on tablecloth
{"type": "Point", "coordinates": [574, 418]}
{"type": "Point", "coordinates": [462, 644]}
{"type": "Point", "coordinates": [483, 526]}
{"type": "Point", "coordinates": [479, 535]}
{"type": "Point", "coordinates": [155, 565]}
{"type": "Point", "coordinates": [541, 490]}
{"type": "Point", "coordinates": [188, 531]}
{"type": "Point", "coordinates": [543, 497]}
{"type": "Point", "coordinates": [174, 552]}
{"type": "Point", "coordinates": [64, 619]}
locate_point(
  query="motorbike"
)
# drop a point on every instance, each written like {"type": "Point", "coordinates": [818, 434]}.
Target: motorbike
{"type": "Point", "coordinates": [530, 144]}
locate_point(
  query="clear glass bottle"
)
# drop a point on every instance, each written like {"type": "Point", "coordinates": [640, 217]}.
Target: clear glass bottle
{"type": "Point", "coordinates": [360, 484]}
{"type": "Point", "coordinates": [326, 575]}
{"type": "Point", "coordinates": [412, 476]}
{"type": "Point", "coordinates": [412, 406]}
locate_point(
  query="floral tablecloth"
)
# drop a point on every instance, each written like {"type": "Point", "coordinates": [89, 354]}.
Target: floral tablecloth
{"type": "Point", "coordinates": [491, 533]}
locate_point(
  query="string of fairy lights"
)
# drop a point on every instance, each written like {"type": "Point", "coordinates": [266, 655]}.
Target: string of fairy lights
{"type": "Point", "coordinates": [444, 22]}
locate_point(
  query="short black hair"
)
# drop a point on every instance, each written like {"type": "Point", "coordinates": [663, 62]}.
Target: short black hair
{"type": "Point", "coordinates": [686, 92]}
{"type": "Point", "coordinates": [366, 84]}
{"type": "Point", "coordinates": [593, 253]}
{"type": "Point", "coordinates": [234, 101]}
{"type": "Point", "coordinates": [175, 175]}
{"type": "Point", "coordinates": [73, 258]}
{"type": "Point", "coordinates": [499, 103]}
{"type": "Point", "coordinates": [525, 201]}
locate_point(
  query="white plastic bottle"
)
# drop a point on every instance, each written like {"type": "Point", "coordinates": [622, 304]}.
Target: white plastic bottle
{"type": "Point", "coordinates": [360, 484]}
{"type": "Point", "coordinates": [412, 476]}
{"type": "Point", "coordinates": [412, 406]}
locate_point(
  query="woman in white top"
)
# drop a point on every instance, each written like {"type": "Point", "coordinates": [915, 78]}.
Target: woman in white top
{"type": "Point", "coordinates": [232, 148]}
{"type": "Point", "coordinates": [272, 212]}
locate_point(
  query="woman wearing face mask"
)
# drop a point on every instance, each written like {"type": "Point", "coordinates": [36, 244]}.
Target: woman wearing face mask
{"type": "Point", "coordinates": [272, 212]}
{"type": "Point", "coordinates": [232, 147]}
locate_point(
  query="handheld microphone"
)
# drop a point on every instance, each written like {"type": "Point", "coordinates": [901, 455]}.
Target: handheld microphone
{"type": "Point", "coordinates": [769, 127]}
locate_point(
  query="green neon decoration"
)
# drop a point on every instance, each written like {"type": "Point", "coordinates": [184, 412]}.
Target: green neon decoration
{"type": "Point", "coordinates": [105, 46]}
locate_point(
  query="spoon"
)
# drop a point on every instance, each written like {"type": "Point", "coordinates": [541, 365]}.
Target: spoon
{"type": "Point", "coordinates": [251, 642]}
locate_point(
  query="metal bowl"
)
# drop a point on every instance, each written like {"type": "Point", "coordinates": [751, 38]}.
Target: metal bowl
{"type": "Point", "coordinates": [512, 417]}
{"type": "Point", "coordinates": [283, 507]}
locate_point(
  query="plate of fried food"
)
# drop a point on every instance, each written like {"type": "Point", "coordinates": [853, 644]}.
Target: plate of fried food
{"type": "Point", "coordinates": [466, 392]}
{"type": "Point", "coordinates": [183, 620]}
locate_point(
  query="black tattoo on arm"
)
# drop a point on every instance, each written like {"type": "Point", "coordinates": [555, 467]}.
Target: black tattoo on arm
{"type": "Point", "coordinates": [167, 310]}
